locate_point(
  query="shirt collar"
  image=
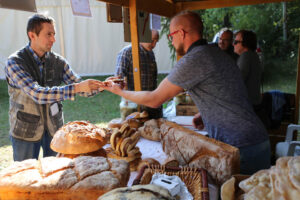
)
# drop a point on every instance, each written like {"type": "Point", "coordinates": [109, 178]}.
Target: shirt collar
{"type": "Point", "coordinates": [197, 43]}
{"type": "Point", "coordinates": [39, 60]}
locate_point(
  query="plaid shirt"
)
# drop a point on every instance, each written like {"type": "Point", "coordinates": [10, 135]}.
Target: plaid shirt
{"type": "Point", "coordinates": [17, 77]}
{"type": "Point", "coordinates": [148, 68]}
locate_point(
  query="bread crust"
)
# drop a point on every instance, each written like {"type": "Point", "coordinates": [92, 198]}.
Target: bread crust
{"type": "Point", "coordinates": [84, 177]}
{"type": "Point", "coordinates": [78, 137]}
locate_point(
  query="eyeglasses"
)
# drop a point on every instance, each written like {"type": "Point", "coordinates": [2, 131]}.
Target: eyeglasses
{"type": "Point", "coordinates": [170, 36]}
{"type": "Point", "coordinates": [237, 41]}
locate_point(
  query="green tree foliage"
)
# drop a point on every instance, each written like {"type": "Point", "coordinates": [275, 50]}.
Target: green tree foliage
{"type": "Point", "coordinates": [266, 20]}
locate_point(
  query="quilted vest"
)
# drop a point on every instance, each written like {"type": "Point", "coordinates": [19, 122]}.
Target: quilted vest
{"type": "Point", "coordinates": [28, 119]}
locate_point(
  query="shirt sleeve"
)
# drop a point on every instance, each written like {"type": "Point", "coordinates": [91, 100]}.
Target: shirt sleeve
{"type": "Point", "coordinates": [244, 63]}
{"type": "Point", "coordinates": [69, 76]}
{"type": "Point", "coordinates": [123, 62]}
{"type": "Point", "coordinates": [19, 78]}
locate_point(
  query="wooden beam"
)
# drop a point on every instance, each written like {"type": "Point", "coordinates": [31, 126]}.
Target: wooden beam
{"type": "Point", "coordinates": [117, 2]}
{"type": "Point", "coordinates": [158, 7]}
{"type": "Point", "coordinates": [298, 86]}
{"type": "Point", "coordinates": [135, 44]}
{"type": "Point", "coordinates": [208, 4]}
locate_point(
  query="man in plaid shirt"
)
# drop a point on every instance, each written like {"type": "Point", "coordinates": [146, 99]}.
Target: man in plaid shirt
{"type": "Point", "coordinates": [148, 69]}
{"type": "Point", "coordinates": [34, 75]}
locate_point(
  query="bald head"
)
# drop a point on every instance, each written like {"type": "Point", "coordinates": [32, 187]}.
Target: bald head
{"type": "Point", "coordinates": [185, 29]}
{"type": "Point", "coordinates": [189, 21]}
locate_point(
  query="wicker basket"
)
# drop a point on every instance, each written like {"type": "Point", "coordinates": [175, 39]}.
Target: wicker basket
{"type": "Point", "coordinates": [194, 178]}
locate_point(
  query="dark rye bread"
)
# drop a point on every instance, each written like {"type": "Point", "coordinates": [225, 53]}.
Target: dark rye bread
{"type": "Point", "coordinates": [192, 149]}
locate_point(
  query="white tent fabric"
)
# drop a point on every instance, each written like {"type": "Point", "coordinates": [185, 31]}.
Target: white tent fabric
{"type": "Point", "coordinates": [90, 45]}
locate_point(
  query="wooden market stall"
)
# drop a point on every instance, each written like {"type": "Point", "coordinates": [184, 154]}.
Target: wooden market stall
{"type": "Point", "coordinates": [169, 8]}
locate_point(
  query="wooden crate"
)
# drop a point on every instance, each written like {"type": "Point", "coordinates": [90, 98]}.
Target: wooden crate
{"type": "Point", "coordinates": [186, 110]}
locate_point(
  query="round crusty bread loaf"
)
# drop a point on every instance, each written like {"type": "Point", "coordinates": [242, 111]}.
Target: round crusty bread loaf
{"type": "Point", "coordinates": [78, 137]}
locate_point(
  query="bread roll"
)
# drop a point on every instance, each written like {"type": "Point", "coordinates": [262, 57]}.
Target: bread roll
{"type": "Point", "coordinates": [115, 123]}
{"type": "Point", "coordinates": [171, 162]}
{"type": "Point", "coordinates": [79, 137]}
{"type": "Point", "coordinates": [81, 178]}
{"type": "Point", "coordinates": [261, 178]}
{"type": "Point", "coordinates": [147, 161]}
{"type": "Point", "coordinates": [228, 189]}
{"type": "Point", "coordinates": [294, 171]}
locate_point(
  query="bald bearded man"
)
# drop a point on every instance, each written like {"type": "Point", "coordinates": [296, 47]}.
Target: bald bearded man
{"type": "Point", "coordinates": [216, 86]}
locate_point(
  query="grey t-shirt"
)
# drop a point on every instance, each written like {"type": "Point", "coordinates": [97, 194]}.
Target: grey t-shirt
{"type": "Point", "coordinates": [215, 84]}
{"type": "Point", "coordinates": [251, 69]}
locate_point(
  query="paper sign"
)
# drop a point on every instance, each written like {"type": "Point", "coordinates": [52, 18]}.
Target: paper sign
{"type": "Point", "coordinates": [54, 109]}
{"type": "Point", "coordinates": [81, 8]}
{"type": "Point", "coordinates": [155, 22]}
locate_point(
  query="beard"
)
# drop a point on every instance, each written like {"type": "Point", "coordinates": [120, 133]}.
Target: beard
{"type": "Point", "coordinates": [180, 50]}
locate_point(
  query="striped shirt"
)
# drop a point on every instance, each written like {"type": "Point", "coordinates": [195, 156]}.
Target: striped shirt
{"type": "Point", "coordinates": [17, 77]}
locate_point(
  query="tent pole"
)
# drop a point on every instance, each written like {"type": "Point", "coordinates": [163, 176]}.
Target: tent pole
{"type": "Point", "coordinates": [135, 44]}
{"type": "Point", "coordinates": [298, 85]}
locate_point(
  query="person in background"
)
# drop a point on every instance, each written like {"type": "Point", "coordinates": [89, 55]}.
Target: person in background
{"type": "Point", "coordinates": [216, 86]}
{"type": "Point", "coordinates": [225, 43]}
{"type": "Point", "coordinates": [34, 75]}
{"type": "Point", "coordinates": [148, 69]}
{"type": "Point", "coordinates": [245, 44]}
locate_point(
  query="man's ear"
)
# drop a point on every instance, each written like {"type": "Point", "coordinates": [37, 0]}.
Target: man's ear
{"type": "Point", "coordinates": [31, 35]}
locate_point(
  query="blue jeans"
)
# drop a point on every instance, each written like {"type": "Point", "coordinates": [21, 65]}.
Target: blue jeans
{"type": "Point", "coordinates": [255, 157]}
{"type": "Point", "coordinates": [23, 150]}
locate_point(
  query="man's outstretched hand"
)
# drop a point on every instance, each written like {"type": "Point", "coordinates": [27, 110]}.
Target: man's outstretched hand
{"type": "Point", "coordinates": [111, 86]}
{"type": "Point", "coordinates": [87, 86]}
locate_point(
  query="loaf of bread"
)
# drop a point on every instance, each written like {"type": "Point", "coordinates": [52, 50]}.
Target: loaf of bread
{"type": "Point", "coordinates": [195, 150]}
{"type": "Point", "coordinates": [101, 152]}
{"type": "Point", "coordinates": [80, 178]}
{"type": "Point", "coordinates": [171, 162]}
{"type": "Point", "coordinates": [147, 161]}
{"type": "Point", "coordinates": [138, 192]}
{"type": "Point", "coordinates": [115, 123]}
{"type": "Point", "coordinates": [279, 182]}
{"type": "Point", "coordinates": [79, 137]}
{"type": "Point", "coordinates": [151, 130]}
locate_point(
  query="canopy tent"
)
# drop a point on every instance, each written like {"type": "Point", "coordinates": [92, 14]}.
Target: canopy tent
{"type": "Point", "coordinates": [169, 8]}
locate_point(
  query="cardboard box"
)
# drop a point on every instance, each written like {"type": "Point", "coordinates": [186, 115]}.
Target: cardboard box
{"type": "Point", "coordinates": [186, 110]}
